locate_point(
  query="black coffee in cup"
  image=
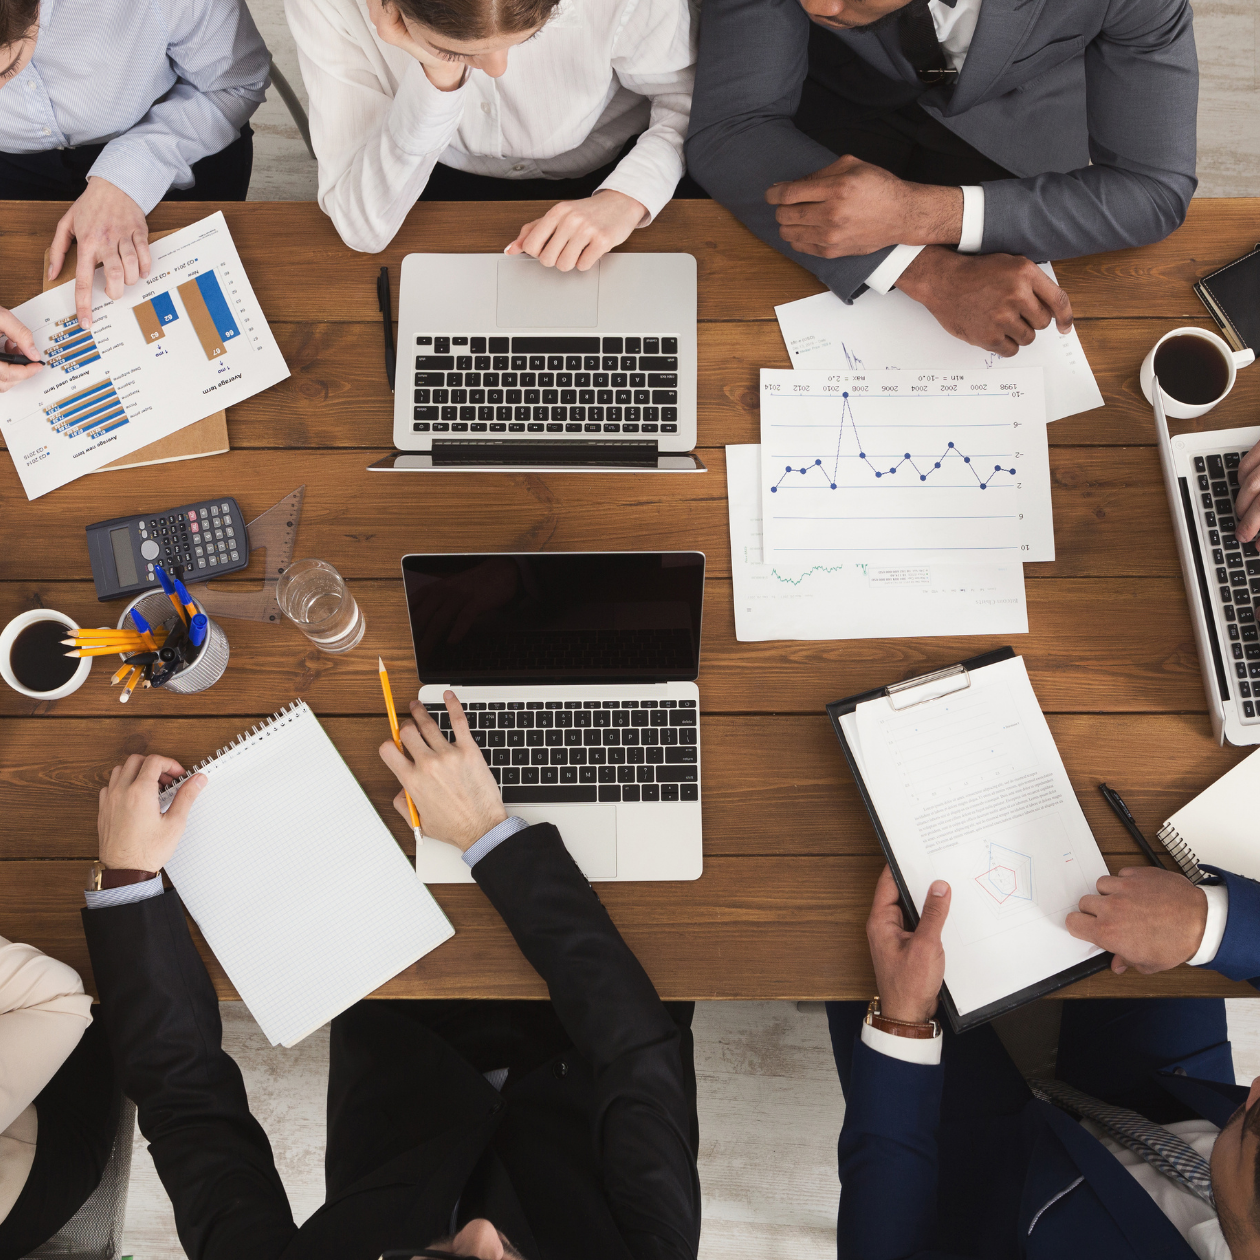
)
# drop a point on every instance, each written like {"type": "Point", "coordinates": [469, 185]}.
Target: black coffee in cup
{"type": "Point", "coordinates": [38, 657]}
{"type": "Point", "coordinates": [1191, 369]}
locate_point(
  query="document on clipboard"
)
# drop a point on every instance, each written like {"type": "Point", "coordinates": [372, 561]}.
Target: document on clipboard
{"type": "Point", "coordinates": [963, 782]}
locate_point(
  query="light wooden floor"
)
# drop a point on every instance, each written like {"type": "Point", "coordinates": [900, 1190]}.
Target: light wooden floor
{"type": "Point", "coordinates": [770, 1105]}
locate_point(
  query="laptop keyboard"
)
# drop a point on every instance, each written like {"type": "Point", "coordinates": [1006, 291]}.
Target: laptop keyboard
{"type": "Point", "coordinates": [546, 752]}
{"type": "Point", "coordinates": [546, 385]}
{"type": "Point", "coordinates": [1233, 573]}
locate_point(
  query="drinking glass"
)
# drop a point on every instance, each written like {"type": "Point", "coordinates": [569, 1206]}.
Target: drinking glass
{"type": "Point", "coordinates": [313, 595]}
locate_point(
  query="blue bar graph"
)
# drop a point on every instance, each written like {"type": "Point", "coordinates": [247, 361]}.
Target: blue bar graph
{"type": "Point", "coordinates": [217, 305]}
{"type": "Point", "coordinates": [89, 412]}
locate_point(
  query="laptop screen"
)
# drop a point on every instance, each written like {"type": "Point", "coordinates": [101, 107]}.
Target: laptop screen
{"type": "Point", "coordinates": [556, 617]}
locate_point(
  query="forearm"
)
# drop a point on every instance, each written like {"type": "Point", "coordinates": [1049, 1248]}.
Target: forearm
{"type": "Point", "coordinates": [162, 1016]}
{"type": "Point", "coordinates": [368, 182]}
{"type": "Point", "coordinates": [651, 170]}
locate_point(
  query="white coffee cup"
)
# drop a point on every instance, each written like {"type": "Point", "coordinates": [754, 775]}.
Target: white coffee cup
{"type": "Point", "coordinates": [11, 632]}
{"type": "Point", "coordinates": [1234, 359]}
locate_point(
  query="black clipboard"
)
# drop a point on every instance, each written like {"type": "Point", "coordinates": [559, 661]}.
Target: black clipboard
{"type": "Point", "coordinates": [836, 710]}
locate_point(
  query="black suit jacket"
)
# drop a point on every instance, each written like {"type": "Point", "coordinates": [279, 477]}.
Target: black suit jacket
{"type": "Point", "coordinates": [599, 1154]}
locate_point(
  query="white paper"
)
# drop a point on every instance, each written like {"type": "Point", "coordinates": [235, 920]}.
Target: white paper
{"type": "Point", "coordinates": [970, 789]}
{"type": "Point", "coordinates": [1219, 824]}
{"type": "Point", "coordinates": [891, 330]}
{"type": "Point", "coordinates": [261, 868]}
{"type": "Point", "coordinates": [187, 342]}
{"type": "Point", "coordinates": [905, 468]}
{"type": "Point", "coordinates": [856, 601]}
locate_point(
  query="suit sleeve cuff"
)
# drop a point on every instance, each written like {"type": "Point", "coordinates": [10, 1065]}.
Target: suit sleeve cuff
{"type": "Point", "coordinates": [889, 271]}
{"type": "Point", "coordinates": [493, 838]}
{"type": "Point", "coordinates": [125, 895]}
{"type": "Point", "coordinates": [972, 236]}
{"type": "Point", "coordinates": [907, 1049]}
{"type": "Point", "coordinates": [1217, 916]}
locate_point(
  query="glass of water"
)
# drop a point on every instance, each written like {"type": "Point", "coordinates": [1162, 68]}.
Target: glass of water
{"type": "Point", "coordinates": [313, 595]}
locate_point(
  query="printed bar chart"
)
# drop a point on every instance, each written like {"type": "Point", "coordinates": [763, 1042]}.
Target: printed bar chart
{"type": "Point", "coordinates": [208, 310]}
{"type": "Point", "coordinates": [72, 348]}
{"type": "Point", "coordinates": [90, 412]}
{"type": "Point", "coordinates": [153, 315]}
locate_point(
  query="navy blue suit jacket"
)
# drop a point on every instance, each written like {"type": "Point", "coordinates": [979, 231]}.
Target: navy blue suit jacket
{"type": "Point", "coordinates": [1065, 1193]}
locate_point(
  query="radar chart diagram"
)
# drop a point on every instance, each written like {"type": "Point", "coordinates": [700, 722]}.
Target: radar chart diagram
{"type": "Point", "coordinates": [1005, 878]}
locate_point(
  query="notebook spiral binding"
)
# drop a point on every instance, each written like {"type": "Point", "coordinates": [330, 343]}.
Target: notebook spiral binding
{"type": "Point", "coordinates": [1181, 853]}
{"type": "Point", "coordinates": [289, 711]}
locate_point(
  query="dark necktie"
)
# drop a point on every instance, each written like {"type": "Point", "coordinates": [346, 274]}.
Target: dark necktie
{"type": "Point", "coordinates": [917, 35]}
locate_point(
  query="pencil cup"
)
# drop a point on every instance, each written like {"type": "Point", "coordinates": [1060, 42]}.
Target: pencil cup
{"type": "Point", "coordinates": [156, 608]}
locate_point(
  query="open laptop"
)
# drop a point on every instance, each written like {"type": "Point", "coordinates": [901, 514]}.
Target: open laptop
{"type": "Point", "coordinates": [577, 673]}
{"type": "Point", "coordinates": [506, 365]}
{"type": "Point", "coordinates": [1222, 575]}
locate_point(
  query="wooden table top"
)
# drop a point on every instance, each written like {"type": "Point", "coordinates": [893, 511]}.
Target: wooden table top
{"type": "Point", "coordinates": [790, 858]}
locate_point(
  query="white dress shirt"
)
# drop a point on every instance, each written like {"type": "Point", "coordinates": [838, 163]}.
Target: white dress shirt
{"type": "Point", "coordinates": [165, 82]}
{"type": "Point", "coordinates": [43, 1013]}
{"type": "Point", "coordinates": [954, 29]}
{"type": "Point", "coordinates": [599, 72]}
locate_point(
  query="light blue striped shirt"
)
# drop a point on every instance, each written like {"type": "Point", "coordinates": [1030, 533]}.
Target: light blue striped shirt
{"type": "Point", "coordinates": [164, 82]}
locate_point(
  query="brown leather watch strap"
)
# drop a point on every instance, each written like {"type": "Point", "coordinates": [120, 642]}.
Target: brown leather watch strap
{"type": "Point", "coordinates": [120, 879]}
{"type": "Point", "coordinates": [899, 1027]}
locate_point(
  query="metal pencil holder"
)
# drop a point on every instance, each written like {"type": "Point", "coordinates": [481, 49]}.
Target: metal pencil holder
{"type": "Point", "coordinates": [156, 608]}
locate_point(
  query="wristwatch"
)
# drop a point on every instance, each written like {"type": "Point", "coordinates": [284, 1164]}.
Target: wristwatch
{"type": "Point", "coordinates": [101, 877]}
{"type": "Point", "coordinates": [901, 1027]}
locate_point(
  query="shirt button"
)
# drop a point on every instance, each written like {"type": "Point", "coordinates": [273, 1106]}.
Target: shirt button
{"type": "Point", "coordinates": [485, 107]}
{"type": "Point", "coordinates": [47, 132]}
{"type": "Point", "coordinates": [519, 167]}
{"type": "Point", "coordinates": [560, 1070]}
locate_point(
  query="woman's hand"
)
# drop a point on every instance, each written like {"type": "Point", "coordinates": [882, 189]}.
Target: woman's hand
{"type": "Point", "coordinates": [579, 233]}
{"type": "Point", "coordinates": [445, 75]}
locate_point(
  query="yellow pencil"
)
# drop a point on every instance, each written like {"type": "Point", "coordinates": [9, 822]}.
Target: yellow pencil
{"type": "Point", "coordinates": [393, 730]}
{"type": "Point", "coordinates": [120, 675]}
{"type": "Point", "coordinates": [112, 649]}
{"type": "Point", "coordinates": [131, 685]}
{"type": "Point", "coordinates": [102, 632]}
{"type": "Point", "coordinates": [91, 643]}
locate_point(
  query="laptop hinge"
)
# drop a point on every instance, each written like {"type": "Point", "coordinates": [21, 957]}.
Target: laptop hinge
{"type": "Point", "coordinates": [479, 453]}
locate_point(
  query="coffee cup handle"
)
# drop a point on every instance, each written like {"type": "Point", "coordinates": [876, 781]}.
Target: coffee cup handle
{"type": "Point", "coordinates": [1244, 358]}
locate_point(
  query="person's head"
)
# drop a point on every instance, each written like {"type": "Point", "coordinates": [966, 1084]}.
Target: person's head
{"type": "Point", "coordinates": [853, 15]}
{"type": "Point", "coordinates": [19, 26]}
{"type": "Point", "coordinates": [1236, 1178]}
{"type": "Point", "coordinates": [478, 1238]}
{"type": "Point", "coordinates": [479, 33]}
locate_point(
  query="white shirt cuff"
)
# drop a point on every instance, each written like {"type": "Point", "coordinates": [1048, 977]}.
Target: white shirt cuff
{"type": "Point", "coordinates": [1218, 915]}
{"type": "Point", "coordinates": [907, 1049]}
{"type": "Point", "coordinates": [972, 236]}
{"type": "Point", "coordinates": [889, 271]}
{"type": "Point", "coordinates": [107, 897]}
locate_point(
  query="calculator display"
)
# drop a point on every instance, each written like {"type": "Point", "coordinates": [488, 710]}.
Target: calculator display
{"type": "Point", "coordinates": [120, 539]}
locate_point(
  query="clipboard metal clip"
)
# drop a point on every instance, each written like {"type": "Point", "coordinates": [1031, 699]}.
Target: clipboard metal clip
{"type": "Point", "coordinates": [928, 687]}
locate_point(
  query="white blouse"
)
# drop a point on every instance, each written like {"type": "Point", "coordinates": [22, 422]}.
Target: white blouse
{"type": "Point", "coordinates": [599, 72]}
{"type": "Point", "coordinates": [43, 1013]}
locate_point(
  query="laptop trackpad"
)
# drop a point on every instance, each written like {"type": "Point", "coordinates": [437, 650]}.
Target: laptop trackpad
{"type": "Point", "coordinates": [534, 296]}
{"type": "Point", "coordinates": [589, 833]}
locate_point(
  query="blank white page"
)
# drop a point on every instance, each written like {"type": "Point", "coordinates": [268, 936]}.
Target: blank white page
{"type": "Point", "coordinates": [297, 885]}
{"type": "Point", "coordinates": [1219, 824]}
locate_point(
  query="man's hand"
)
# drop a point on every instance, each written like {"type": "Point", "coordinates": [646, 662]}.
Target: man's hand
{"type": "Point", "coordinates": [1247, 505]}
{"type": "Point", "coordinates": [909, 966]}
{"type": "Point", "coordinates": [579, 233]}
{"type": "Point", "coordinates": [134, 833]}
{"type": "Point", "coordinates": [15, 338]}
{"type": "Point", "coordinates": [109, 228]}
{"type": "Point", "coordinates": [994, 301]}
{"type": "Point", "coordinates": [1150, 919]}
{"type": "Point", "coordinates": [454, 792]}
{"type": "Point", "coordinates": [852, 207]}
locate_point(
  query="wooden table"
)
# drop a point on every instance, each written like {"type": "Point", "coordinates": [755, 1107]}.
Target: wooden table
{"type": "Point", "coordinates": [790, 858]}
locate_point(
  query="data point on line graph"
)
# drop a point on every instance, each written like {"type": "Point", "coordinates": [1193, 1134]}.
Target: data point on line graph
{"type": "Point", "coordinates": [879, 474]}
{"type": "Point", "coordinates": [937, 464]}
{"type": "Point", "coordinates": [922, 477]}
{"type": "Point", "coordinates": [774, 489]}
{"type": "Point", "coordinates": [906, 455]}
{"type": "Point", "coordinates": [984, 485]}
{"type": "Point", "coordinates": [833, 485]}
{"type": "Point", "coordinates": [951, 445]}
{"type": "Point", "coordinates": [997, 467]}
{"type": "Point", "coordinates": [788, 468]}
{"type": "Point", "coordinates": [966, 459]}
{"type": "Point", "coordinates": [818, 462]}
{"type": "Point", "coordinates": [845, 394]}
{"type": "Point", "coordinates": [861, 454]}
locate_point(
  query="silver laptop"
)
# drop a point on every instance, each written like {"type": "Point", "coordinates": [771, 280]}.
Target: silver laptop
{"type": "Point", "coordinates": [577, 673]}
{"type": "Point", "coordinates": [506, 365]}
{"type": "Point", "coordinates": [1222, 575]}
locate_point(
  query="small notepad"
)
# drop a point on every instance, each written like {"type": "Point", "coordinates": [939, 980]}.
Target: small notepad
{"type": "Point", "coordinates": [1218, 826]}
{"type": "Point", "coordinates": [297, 885]}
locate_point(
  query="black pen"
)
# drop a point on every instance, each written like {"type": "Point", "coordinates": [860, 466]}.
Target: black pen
{"type": "Point", "coordinates": [1112, 797]}
{"type": "Point", "coordinates": [19, 360]}
{"type": "Point", "coordinates": [387, 318]}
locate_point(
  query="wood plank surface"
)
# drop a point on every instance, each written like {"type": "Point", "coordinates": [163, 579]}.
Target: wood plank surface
{"type": "Point", "coordinates": [301, 270]}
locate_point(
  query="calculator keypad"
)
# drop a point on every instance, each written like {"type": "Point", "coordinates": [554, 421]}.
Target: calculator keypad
{"type": "Point", "coordinates": [195, 539]}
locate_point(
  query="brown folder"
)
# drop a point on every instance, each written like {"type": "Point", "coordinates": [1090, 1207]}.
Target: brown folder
{"type": "Point", "coordinates": [206, 437]}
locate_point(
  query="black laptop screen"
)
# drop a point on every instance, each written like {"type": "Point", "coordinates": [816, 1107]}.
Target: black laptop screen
{"type": "Point", "coordinates": [569, 617]}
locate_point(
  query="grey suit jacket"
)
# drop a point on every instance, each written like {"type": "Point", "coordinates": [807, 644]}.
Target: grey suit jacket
{"type": "Point", "coordinates": [1092, 103]}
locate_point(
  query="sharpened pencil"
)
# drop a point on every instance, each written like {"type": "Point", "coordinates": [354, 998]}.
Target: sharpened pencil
{"type": "Point", "coordinates": [393, 730]}
{"type": "Point", "coordinates": [131, 685]}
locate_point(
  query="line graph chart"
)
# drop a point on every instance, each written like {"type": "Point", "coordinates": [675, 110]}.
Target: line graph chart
{"type": "Point", "coordinates": [896, 467]}
{"type": "Point", "coordinates": [847, 422]}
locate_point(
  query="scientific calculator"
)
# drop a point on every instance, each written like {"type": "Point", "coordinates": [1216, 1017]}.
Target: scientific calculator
{"type": "Point", "coordinates": [194, 543]}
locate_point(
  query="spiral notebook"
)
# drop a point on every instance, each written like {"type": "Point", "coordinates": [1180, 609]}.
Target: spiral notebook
{"type": "Point", "coordinates": [1218, 827]}
{"type": "Point", "coordinates": [297, 885]}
